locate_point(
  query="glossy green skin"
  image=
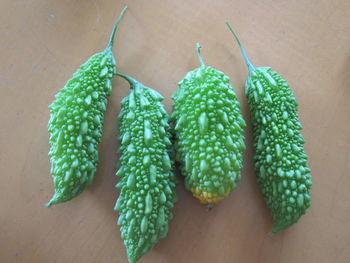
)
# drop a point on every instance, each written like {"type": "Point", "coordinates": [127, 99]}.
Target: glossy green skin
{"type": "Point", "coordinates": [147, 184]}
{"type": "Point", "coordinates": [280, 160]}
{"type": "Point", "coordinates": [209, 131]}
{"type": "Point", "coordinates": [75, 126]}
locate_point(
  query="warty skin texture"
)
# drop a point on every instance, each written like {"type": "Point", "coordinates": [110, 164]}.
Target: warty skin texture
{"type": "Point", "coordinates": [147, 183]}
{"type": "Point", "coordinates": [209, 134]}
{"type": "Point", "coordinates": [76, 125]}
{"type": "Point", "coordinates": [280, 160]}
{"type": "Point", "coordinates": [76, 122]}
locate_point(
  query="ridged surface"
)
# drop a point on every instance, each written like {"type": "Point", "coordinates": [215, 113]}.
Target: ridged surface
{"type": "Point", "coordinates": [209, 132]}
{"type": "Point", "coordinates": [147, 184]}
{"type": "Point", "coordinates": [280, 160]}
{"type": "Point", "coordinates": [75, 126]}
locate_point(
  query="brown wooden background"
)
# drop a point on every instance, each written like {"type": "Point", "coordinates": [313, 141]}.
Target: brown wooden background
{"type": "Point", "coordinates": [43, 42]}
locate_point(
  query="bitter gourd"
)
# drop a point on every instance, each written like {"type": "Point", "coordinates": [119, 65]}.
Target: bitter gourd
{"type": "Point", "coordinates": [209, 133]}
{"type": "Point", "coordinates": [280, 161]}
{"type": "Point", "coordinates": [76, 122]}
{"type": "Point", "coordinates": [147, 184]}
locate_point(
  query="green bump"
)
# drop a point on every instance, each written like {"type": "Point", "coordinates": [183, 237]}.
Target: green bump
{"type": "Point", "coordinates": [131, 181]}
{"type": "Point", "coordinates": [148, 134]}
{"type": "Point", "coordinates": [271, 81]}
{"type": "Point", "coordinates": [59, 145]}
{"type": "Point", "coordinates": [84, 127]}
{"type": "Point", "coordinates": [280, 160]}
{"type": "Point", "coordinates": [259, 87]}
{"type": "Point", "coordinates": [126, 138]}
{"type": "Point", "coordinates": [203, 122]}
{"type": "Point", "coordinates": [146, 160]}
{"type": "Point", "coordinates": [269, 158]}
{"type": "Point", "coordinates": [61, 113]}
{"type": "Point", "coordinates": [148, 204]}
{"type": "Point", "coordinates": [95, 94]}
{"type": "Point", "coordinates": [188, 162]}
{"type": "Point", "coordinates": [132, 103]}
{"type": "Point", "coordinates": [144, 224]}
{"type": "Point", "coordinates": [300, 200]}
{"type": "Point", "coordinates": [68, 175]}
{"type": "Point", "coordinates": [161, 130]}
{"type": "Point", "coordinates": [227, 164]}
{"type": "Point", "coordinates": [220, 127]}
{"type": "Point", "coordinates": [229, 143]}
{"type": "Point", "coordinates": [97, 120]}
{"type": "Point", "coordinates": [204, 166]}
{"type": "Point", "coordinates": [144, 102]}
{"type": "Point", "coordinates": [88, 100]}
{"type": "Point", "coordinates": [118, 204]}
{"type": "Point", "coordinates": [162, 198]}
{"type": "Point", "coordinates": [166, 163]}
{"type": "Point", "coordinates": [79, 141]}
{"type": "Point", "coordinates": [268, 98]}
{"type": "Point", "coordinates": [75, 163]}
{"type": "Point", "coordinates": [224, 117]}
{"type": "Point", "coordinates": [120, 220]}
{"type": "Point", "coordinates": [278, 150]}
{"type": "Point", "coordinates": [153, 177]}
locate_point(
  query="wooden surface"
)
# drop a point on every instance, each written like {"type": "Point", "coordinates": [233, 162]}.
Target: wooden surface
{"type": "Point", "coordinates": [43, 42]}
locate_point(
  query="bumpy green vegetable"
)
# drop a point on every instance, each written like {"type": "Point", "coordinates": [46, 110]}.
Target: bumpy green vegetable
{"type": "Point", "coordinates": [280, 160]}
{"type": "Point", "coordinates": [147, 184]}
{"type": "Point", "coordinates": [209, 131]}
{"type": "Point", "coordinates": [76, 122]}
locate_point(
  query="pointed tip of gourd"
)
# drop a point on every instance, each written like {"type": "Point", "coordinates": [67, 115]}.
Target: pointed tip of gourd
{"type": "Point", "coordinates": [53, 201]}
{"type": "Point", "coordinates": [271, 234]}
{"type": "Point", "coordinates": [276, 229]}
{"type": "Point", "coordinates": [209, 207]}
{"type": "Point", "coordinates": [132, 258]}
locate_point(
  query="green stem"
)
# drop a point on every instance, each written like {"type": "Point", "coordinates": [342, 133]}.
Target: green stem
{"type": "Point", "coordinates": [245, 57]}
{"type": "Point", "coordinates": [111, 38]}
{"type": "Point", "coordinates": [133, 82]}
{"type": "Point", "coordinates": [199, 54]}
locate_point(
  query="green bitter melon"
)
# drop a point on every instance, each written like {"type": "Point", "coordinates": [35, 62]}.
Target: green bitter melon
{"type": "Point", "coordinates": [147, 183]}
{"type": "Point", "coordinates": [209, 133]}
{"type": "Point", "coordinates": [280, 161]}
{"type": "Point", "coordinates": [76, 123]}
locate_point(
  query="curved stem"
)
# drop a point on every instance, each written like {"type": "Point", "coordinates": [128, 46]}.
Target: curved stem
{"type": "Point", "coordinates": [133, 82]}
{"type": "Point", "coordinates": [245, 57]}
{"type": "Point", "coordinates": [111, 38]}
{"type": "Point", "coordinates": [199, 54]}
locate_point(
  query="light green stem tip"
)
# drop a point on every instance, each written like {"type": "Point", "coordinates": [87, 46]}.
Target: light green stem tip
{"type": "Point", "coordinates": [199, 54]}
{"type": "Point", "coordinates": [111, 38]}
{"type": "Point", "coordinates": [244, 54]}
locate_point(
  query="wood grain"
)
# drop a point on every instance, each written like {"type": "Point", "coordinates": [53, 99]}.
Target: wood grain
{"type": "Point", "coordinates": [44, 41]}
